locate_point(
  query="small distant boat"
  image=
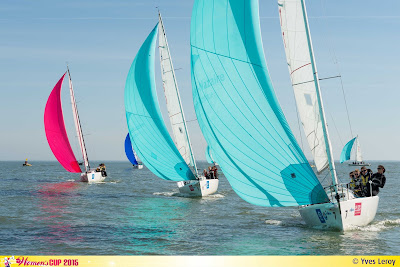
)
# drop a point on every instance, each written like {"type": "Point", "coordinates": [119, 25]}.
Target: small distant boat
{"type": "Point", "coordinates": [131, 155]}
{"type": "Point", "coordinates": [168, 159]}
{"type": "Point", "coordinates": [26, 163]}
{"type": "Point", "coordinates": [57, 137]}
{"type": "Point", "coordinates": [346, 152]}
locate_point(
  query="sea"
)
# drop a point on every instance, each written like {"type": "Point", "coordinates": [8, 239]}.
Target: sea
{"type": "Point", "coordinates": [45, 210]}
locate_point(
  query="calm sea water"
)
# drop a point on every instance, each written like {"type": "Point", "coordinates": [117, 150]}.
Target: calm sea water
{"type": "Point", "coordinates": [45, 211]}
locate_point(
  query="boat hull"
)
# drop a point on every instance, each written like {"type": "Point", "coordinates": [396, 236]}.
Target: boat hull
{"type": "Point", "coordinates": [198, 188]}
{"type": "Point", "coordinates": [359, 164]}
{"type": "Point", "coordinates": [354, 213]}
{"type": "Point", "coordinates": [139, 166]}
{"type": "Point", "coordinates": [92, 177]}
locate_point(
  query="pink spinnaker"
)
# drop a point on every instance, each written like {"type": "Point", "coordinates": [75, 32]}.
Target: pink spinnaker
{"type": "Point", "coordinates": [56, 134]}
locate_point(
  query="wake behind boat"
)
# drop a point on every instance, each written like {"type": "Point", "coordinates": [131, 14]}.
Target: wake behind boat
{"type": "Point", "coordinates": [168, 159]}
{"type": "Point", "coordinates": [243, 123]}
{"type": "Point", "coordinates": [57, 137]}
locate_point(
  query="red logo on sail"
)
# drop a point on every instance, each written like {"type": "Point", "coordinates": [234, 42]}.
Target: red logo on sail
{"type": "Point", "coordinates": [357, 211]}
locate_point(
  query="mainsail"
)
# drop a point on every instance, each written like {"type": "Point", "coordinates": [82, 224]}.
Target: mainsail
{"type": "Point", "coordinates": [77, 122]}
{"type": "Point", "coordinates": [55, 130]}
{"type": "Point", "coordinates": [358, 153]}
{"type": "Point", "coordinates": [237, 109]}
{"type": "Point", "coordinates": [152, 142]}
{"type": "Point", "coordinates": [174, 105]}
{"type": "Point", "coordinates": [129, 151]}
{"type": "Point", "coordinates": [299, 59]}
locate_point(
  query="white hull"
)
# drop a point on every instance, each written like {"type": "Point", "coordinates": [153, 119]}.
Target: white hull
{"type": "Point", "coordinates": [355, 212]}
{"type": "Point", "coordinates": [359, 164]}
{"type": "Point", "coordinates": [139, 166]}
{"type": "Point", "coordinates": [92, 177]}
{"type": "Point", "coordinates": [198, 188]}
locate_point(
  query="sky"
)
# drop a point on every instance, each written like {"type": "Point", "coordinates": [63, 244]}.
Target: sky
{"type": "Point", "coordinates": [99, 39]}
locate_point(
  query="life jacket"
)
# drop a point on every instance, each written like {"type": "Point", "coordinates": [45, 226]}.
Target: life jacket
{"type": "Point", "coordinates": [365, 179]}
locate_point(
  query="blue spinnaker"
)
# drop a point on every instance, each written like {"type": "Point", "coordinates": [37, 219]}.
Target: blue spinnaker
{"type": "Point", "coordinates": [129, 151]}
{"type": "Point", "coordinates": [345, 155]}
{"type": "Point", "coordinates": [152, 142]}
{"type": "Point", "coordinates": [237, 109]}
{"type": "Point", "coordinates": [208, 155]}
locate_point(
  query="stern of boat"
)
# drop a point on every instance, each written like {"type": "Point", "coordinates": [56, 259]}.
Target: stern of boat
{"type": "Point", "coordinates": [198, 188]}
{"type": "Point", "coordinates": [92, 176]}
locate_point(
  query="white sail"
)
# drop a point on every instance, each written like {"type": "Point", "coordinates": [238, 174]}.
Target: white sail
{"type": "Point", "coordinates": [174, 105]}
{"type": "Point", "coordinates": [358, 151]}
{"type": "Point", "coordinates": [299, 60]}
{"type": "Point", "coordinates": [78, 124]}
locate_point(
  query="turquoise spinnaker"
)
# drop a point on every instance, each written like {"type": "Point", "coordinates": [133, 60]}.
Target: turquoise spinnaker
{"type": "Point", "coordinates": [209, 158]}
{"type": "Point", "coordinates": [345, 155]}
{"type": "Point", "coordinates": [152, 142]}
{"type": "Point", "coordinates": [237, 109]}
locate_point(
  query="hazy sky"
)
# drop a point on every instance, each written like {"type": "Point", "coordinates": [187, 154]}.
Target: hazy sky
{"type": "Point", "coordinates": [100, 39]}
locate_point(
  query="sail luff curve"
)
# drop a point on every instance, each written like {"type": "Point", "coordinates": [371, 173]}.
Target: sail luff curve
{"type": "Point", "coordinates": [152, 142]}
{"type": "Point", "coordinates": [237, 109]}
{"type": "Point", "coordinates": [209, 157]}
{"type": "Point", "coordinates": [56, 133]}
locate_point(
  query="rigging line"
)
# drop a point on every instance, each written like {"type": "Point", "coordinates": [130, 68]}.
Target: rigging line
{"type": "Point", "coordinates": [334, 124]}
{"type": "Point", "coordinates": [335, 62]}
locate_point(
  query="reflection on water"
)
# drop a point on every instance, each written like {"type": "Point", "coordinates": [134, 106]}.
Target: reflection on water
{"type": "Point", "coordinates": [54, 202]}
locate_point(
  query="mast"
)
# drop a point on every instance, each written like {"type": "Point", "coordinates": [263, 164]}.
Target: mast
{"type": "Point", "coordinates": [177, 119]}
{"type": "Point", "coordinates": [320, 103]}
{"type": "Point", "coordinates": [78, 124]}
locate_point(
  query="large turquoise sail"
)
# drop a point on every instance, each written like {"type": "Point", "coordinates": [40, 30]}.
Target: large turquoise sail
{"type": "Point", "coordinates": [152, 142]}
{"type": "Point", "coordinates": [208, 155]}
{"type": "Point", "coordinates": [345, 155]}
{"type": "Point", "coordinates": [237, 109]}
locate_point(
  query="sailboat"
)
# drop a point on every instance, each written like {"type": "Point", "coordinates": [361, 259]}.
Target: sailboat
{"type": "Point", "coordinates": [209, 156]}
{"type": "Point", "coordinates": [346, 153]}
{"type": "Point", "coordinates": [167, 159]}
{"type": "Point", "coordinates": [242, 121]}
{"type": "Point", "coordinates": [131, 155]}
{"type": "Point", "coordinates": [57, 137]}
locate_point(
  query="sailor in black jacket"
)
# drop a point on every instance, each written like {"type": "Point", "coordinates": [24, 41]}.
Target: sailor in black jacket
{"type": "Point", "coordinates": [378, 180]}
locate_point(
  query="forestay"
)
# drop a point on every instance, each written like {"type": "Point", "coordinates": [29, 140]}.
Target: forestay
{"type": "Point", "coordinates": [152, 142]}
{"type": "Point", "coordinates": [56, 134]}
{"type": "Point", "coordinates": [346, 152]}
{"type": "Point", "coordinates": [174, 105]}
{"type": "Point", "coordinates": [237, 109]}
{"type": "Point", "coordinates": [301, 73]}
